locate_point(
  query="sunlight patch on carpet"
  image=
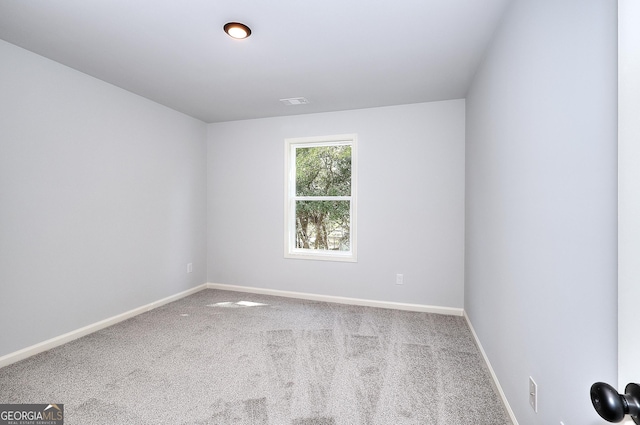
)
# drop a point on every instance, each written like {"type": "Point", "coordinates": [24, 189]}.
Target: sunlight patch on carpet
{"type": "Point", "coordinates": [230, 304]}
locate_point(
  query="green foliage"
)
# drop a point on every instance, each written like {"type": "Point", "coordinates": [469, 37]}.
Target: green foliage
{"type": "Point", "coordinates": [323, 171]}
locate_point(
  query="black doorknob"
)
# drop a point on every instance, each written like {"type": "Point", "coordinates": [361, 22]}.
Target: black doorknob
{"type": "Point", "coordinates": [612, 406]}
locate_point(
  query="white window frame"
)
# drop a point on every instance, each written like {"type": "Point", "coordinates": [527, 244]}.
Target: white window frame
{"type": "Point", "coordinates": [290, 250]}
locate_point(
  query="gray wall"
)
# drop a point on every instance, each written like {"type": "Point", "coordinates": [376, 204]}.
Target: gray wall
{"type": "Point", "coordinates": [102, 200]}
{"type": "Point", "coordinates": [541, 235]}
{"type": "Point", "coordinates": [410, 204]}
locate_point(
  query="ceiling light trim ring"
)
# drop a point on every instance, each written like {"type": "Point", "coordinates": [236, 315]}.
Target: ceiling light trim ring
{"type": "Point", "coordinates": [237, 30]}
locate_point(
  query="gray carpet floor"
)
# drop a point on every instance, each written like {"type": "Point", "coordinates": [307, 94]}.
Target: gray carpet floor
{"type": "Point", "coordinates": [211, 359]}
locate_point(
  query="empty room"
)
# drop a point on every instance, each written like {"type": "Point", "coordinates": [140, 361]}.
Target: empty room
{"type": "Point", "coordinates": [319, 213]}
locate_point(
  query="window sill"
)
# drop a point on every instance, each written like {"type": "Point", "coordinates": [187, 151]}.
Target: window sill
{"type": "Point", "coordinates": [348, 257]}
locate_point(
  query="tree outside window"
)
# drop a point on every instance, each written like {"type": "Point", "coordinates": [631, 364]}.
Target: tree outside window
{"type": "Point", "coordinates": [320, 211]}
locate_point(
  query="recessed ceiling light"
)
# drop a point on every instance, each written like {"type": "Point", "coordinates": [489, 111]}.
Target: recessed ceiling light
{"type": "Point", "coordinates": [237, 30]}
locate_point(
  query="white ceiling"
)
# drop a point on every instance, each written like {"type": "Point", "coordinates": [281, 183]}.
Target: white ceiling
{"type": "Point", "coordinates": [339, 54]}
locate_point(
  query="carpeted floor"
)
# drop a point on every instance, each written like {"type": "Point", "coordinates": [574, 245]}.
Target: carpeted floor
{"type": "Point", "coordinates": [211, 359]}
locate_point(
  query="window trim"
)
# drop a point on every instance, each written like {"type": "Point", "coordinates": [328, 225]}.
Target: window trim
{"type": "Point", "coordinates": [290, 251]}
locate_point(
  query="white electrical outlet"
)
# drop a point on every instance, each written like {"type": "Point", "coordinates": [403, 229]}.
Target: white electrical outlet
{"type": "Point", "coordinates": [189, 267]}
{"type": "Point", "coordinates": [399, 279]}
{"type": "Point", "coordinates": [533, 394]}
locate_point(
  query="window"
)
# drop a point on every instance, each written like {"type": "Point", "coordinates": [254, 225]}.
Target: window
{"type": "Point", "coordinates": [320, 198]}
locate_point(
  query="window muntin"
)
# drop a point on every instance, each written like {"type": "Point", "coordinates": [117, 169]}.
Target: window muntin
{"type": "Point", "coordinates": [320, 198]}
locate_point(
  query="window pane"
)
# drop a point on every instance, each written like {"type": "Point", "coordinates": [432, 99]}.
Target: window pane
{"type": "Point", "coordinates": [323, 225]}
{"type": "Point", "coordinates": [323, 171]}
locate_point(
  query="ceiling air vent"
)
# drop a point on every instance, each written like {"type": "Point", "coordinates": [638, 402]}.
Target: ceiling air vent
{"type": "Point", "coordinates": [294, 101]}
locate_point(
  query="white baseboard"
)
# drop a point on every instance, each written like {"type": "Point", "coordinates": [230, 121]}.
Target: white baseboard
{"type": "Point", "coordinates": [78, 333]}
{"type": "Point", "coordinates": [340, 300]}
{"type": "Point", "coordinates": [493, 374]}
